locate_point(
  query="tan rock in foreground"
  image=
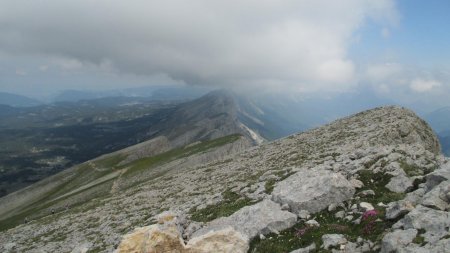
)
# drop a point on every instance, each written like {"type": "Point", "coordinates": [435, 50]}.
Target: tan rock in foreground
{"type": "Point", "coordinates": [165, 237]}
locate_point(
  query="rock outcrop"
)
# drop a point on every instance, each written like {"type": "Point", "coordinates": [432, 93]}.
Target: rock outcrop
{"type": "Point", "coordinates": [313, 190]}
{"type": "Point", "coordinates": [166, 237]}
{"type": "Point", "coordinates": [262, 218]}
{"type": "Point", "coordinates": [431, 223]}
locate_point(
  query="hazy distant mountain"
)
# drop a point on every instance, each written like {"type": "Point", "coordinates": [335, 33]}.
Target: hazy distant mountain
{"type": "Point", "coordinates": [440, 122]}
{"type": "Point", "coordinates": [75, 95]}
{"type": "Point", "coordinates": [293, 114]}
{"type": "Point", "coordinates": [153, 92]}
{"type": "Point", "coordinates": [439, 119]}
{"type": "Point", "coordinates": [17, 100]}
{"type": "Point", "coordinates": [39, 141]}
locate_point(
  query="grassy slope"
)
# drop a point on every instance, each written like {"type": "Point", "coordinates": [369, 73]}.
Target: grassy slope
{"type": "Point", "coordinates": [87, 180]}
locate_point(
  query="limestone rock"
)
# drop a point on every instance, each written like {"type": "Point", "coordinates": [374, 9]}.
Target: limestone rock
{"type": "Point", "coordinates": [441, 246]}
{"type": "Point", "coordinates": [151, 239]}
{"type": "Point", "coordinates": [165, 237]}
{"type": "Point", "coordinates": [313, 190]}
{"type": "Point", "coordinates": [365, 206]}
{"type": "Point", "coordinates": [398, 208]}
{"type": "Point", "coordinates": [340, 214]}
{"type": "Point", "coordinates": [333, 240]}
{"type": "Point", "coordinates": [356, 183]}
{"type": "Point", "coordinates": [226, 240]}
{"type": "Point", "coordinates": [437, 176]}
{"type": "Point", "coordinates": [312, 223]}
{"type": "Point", "coordinates": [310, 248]}
{"type": "Point", "coordinates": [437, 197]}
{"type": "Point", "coordinates": [366, 193]}
{"type": "Point", "coordinates": [332, 207]}
{"type": "Point", "coordinates": [81, 248]}
{"type": "Point", "coordinates": [396, 240]}
{"type": "Point", "coordinates": [400, 184]}
{"type": "Point", "coordinates": [261, 218]}
{"type": "Point", "coordinates": [191, 228]}
{"type": "Point", "coordinates": [436, 223]}
{"type": "Point", "coordinates": [9, 247]}
{"type": "Point", "coordinates": [416, 196]}
{"type": "Point", "coordinates": [303, 214]}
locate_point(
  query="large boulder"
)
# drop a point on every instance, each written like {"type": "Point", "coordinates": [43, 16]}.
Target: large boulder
{"type": "Point", "coordinates": [398, 208]}
{"type": "Point", "coordinates": [333, 240]}
{"type": "Point", "coordinates": [152, 239]}
{"type": "Point", "coordinates": [400, 184]}
{"type": "Point", "coordinates": [394, 241]}
{"type": "Point", "coordinates": [166, 237]}
{"type": "Point", "coordinates": [439, 175]}
{"type": "Point", "coordinates": [437, 197]}
{"type": "Point", "coordinates": [261, 218]}
{"type": "Point", "coordinates": [313, 190]}
{"type": "Point", "coordinates": [435, 223]}
{"type": "Point", "coordinates": [227, 240]}
{"type": "Point", "coordinates": [308, 249]}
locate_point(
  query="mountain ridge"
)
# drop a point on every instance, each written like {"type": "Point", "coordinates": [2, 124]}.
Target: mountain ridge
{"type": "Point", "coordinates": [50, 138]}
{"type": "Point", "coordinates": [378, 145]}
{"type": "Point", "coordinates": [16, 100]}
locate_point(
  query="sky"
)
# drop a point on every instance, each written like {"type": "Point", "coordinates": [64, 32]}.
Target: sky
{"type": "Point", "coordinates": [396, 49]}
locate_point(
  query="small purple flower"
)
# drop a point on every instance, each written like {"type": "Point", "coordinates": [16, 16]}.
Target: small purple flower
{"type": "Point", "coordinates": [369, 214]}
{"type": "Point", "coordinates": [369, 218]}
{"type": "Point", "coordinates": [300, 232]}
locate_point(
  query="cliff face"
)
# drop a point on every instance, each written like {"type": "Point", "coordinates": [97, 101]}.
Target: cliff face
{"type": "Point", "coordinates": [361, 183]}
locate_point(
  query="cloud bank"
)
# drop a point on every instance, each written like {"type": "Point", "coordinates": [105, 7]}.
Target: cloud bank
{"type": "Point", "coordinates": [254, 43]}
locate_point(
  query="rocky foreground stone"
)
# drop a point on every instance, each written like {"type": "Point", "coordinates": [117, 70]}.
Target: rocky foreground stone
{"type": "Point", "coordinates": [313, 190]}
{"type": "Point", "coordinates": [166, 237]}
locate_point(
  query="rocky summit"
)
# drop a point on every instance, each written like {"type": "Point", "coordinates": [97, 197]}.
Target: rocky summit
{"type": "Point", "coordinates": [375, 181]}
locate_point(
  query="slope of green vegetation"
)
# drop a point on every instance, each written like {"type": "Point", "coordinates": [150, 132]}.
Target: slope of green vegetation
{"type": "Point", "coordinates": [178, 153]}
{"type": "Point", "coordinates": [88, 178]}
{"type": "Point", "coordinates": [231, 203]}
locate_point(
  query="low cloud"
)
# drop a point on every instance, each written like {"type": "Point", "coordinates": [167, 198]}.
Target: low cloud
{"type": "Point", "coordinates": [421, 85]}
{"type": "Point", "coordinates": [301, 44]}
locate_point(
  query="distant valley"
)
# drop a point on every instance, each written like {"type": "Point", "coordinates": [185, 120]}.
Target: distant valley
{"type": "Point", "coordinates": [36, 142]}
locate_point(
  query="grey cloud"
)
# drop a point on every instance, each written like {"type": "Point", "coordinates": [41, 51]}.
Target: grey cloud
{"type": "Point", "coordinates": [260, 42]}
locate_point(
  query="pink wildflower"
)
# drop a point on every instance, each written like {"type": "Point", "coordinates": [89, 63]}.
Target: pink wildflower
{"type": "Point", "coordinates": [369, 214]}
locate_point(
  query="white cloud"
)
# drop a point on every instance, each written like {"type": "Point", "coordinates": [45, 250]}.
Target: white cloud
{"type": "Point", "coordinates": [296, 43]}
{"type": "Point", "coordinates": [379, 72]}
{"type": "Point", "coordinates": [421, 85]}
{"type": "Point", "coordinates": [337, 71]}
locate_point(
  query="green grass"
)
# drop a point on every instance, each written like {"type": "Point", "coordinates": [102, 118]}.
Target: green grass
{"type": "Point", "coordinates": [148, 162]}
{"type": "Point", "coordinates": [231, 203]}
{"type": "Point", "coordinates": [270, 184]}
{"type": "Point", "coordinates": [377, 183]}
{"type": "Point", "coordinates": [85, 174]}
{"type": "Point", "coordinates": [110, 161]}
{"type": "Point", "coordinates": [419, 239]}
{"type": "Point", "coordinates": [289, 239]}
{"type": "Point", "coordinates": [413, 170]}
